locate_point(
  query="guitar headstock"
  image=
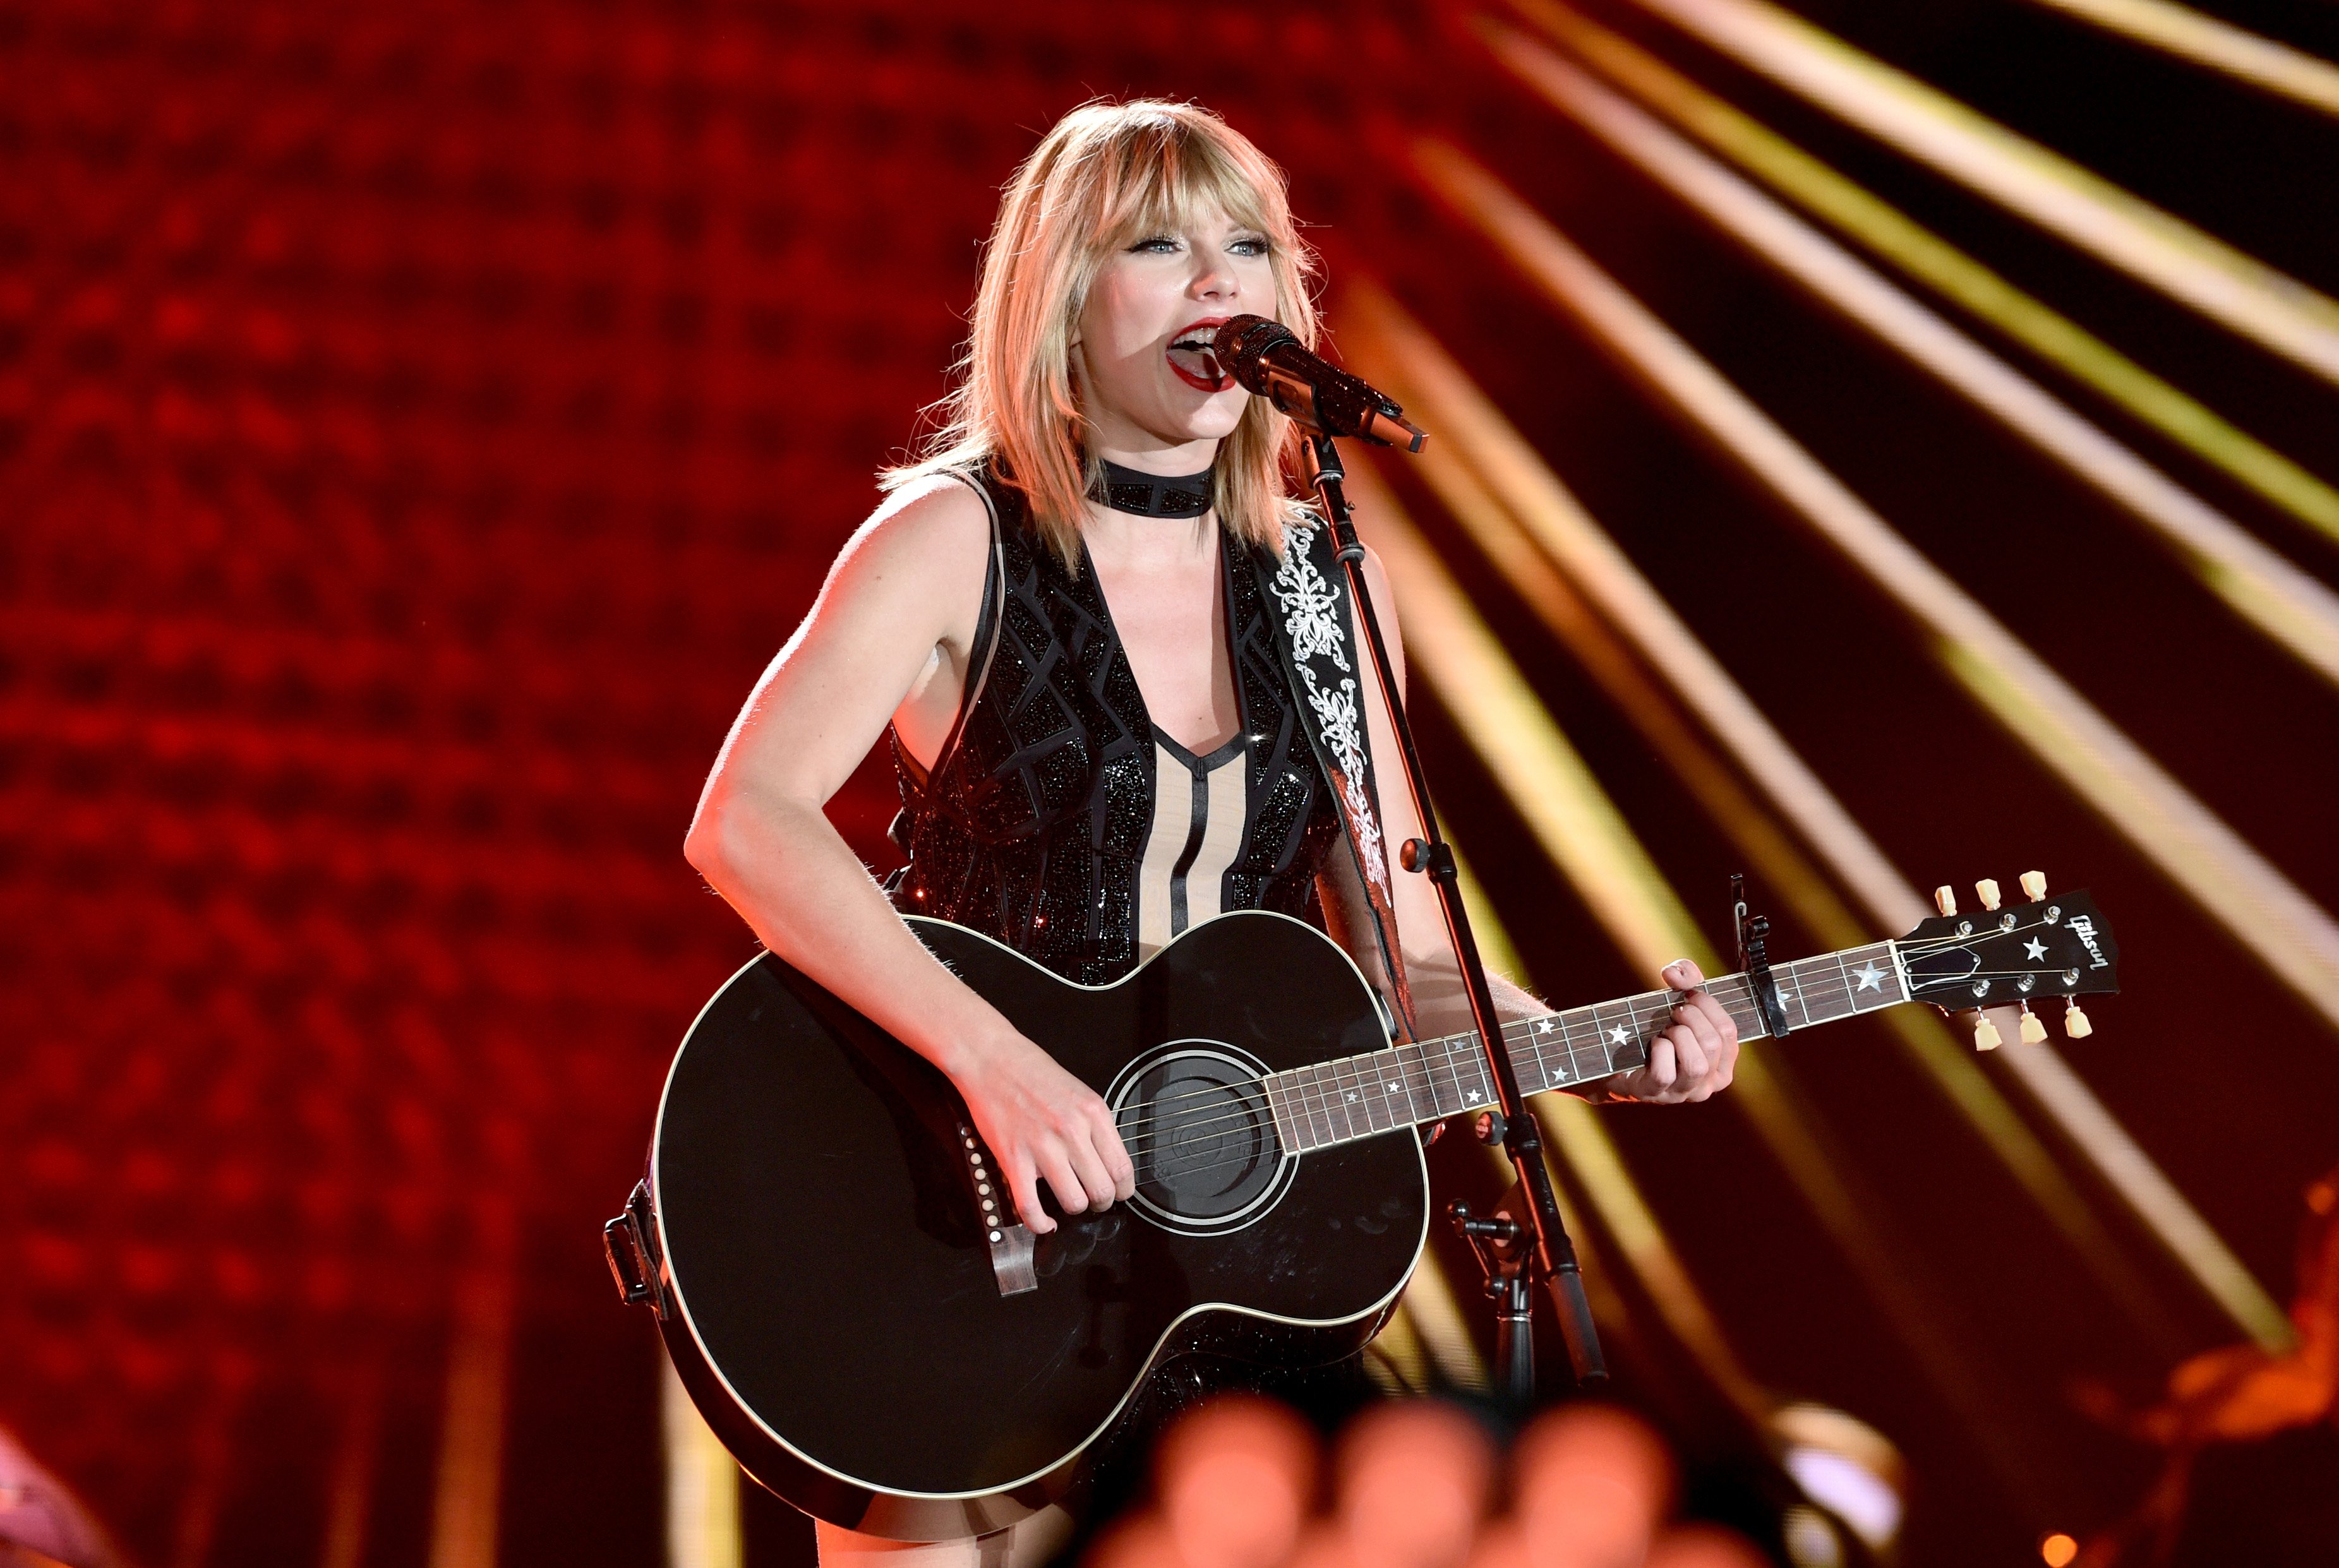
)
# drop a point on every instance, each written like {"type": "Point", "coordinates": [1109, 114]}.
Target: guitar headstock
{"type": "Point", "coordinates": [2011, 957]}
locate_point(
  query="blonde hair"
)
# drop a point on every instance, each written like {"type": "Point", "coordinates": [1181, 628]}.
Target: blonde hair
{"type": "Point", "coordinates": [1105, 177]}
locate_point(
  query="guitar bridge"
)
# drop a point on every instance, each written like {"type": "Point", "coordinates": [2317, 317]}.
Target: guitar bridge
{"type": "Point", "coordinates": [1009, 1238]}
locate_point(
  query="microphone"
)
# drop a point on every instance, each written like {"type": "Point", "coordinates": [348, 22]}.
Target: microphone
{"type": "Point", "coordinates": [1266, 357]}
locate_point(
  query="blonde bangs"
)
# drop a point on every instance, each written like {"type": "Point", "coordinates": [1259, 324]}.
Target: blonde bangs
{"type": "Point", "coordinates": [1105, 177]}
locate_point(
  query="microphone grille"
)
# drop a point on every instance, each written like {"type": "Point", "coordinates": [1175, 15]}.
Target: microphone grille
{"type": "Point", "coordinates": [1241, 343]}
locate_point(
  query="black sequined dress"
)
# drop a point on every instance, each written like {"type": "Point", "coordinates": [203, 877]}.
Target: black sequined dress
{"type": "Point", "coordinates": [1032, 827]}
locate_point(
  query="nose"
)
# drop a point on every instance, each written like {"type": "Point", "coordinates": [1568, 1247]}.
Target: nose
{"type": "Point", "coordinates": [1215, 279]}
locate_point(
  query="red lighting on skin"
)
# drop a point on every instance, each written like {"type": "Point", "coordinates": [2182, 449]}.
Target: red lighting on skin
{"type": "Point", "coordinates": [1235, 1479]}
{"type": "Point", "coordinates": [1593, 1484]}
{"type": "Point", "coordinates": [1413, 1482]}
{"type": "Point", "coordinates": [1703, 1546]}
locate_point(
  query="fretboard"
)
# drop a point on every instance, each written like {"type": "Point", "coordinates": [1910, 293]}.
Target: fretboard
{"type": "Point", "coordinates": [1409, 1085]}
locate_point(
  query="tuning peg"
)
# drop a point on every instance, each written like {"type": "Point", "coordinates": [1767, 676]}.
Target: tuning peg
{"type": "Point", "coordinates": [2075, 1022]}
{"type": "Point", "coordinates": [2034, 1028]}
{"type": "Point", "coordinates": [2034, 885]}
{"type": "Point", "coordinates": [1945, 898]}
{"type": "Point", "coordinates": [1985, 890]}
{"type": "Point", "coordinates": [1986, 1035]}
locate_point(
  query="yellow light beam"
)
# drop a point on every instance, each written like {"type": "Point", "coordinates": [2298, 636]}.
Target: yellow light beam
{"type": "Point", "coordinates": [1396, 353]}
{"type": "Point", "coordinates": [2282, 602]}
{"type": "Point", "coordinates": [2286, 931]}
{"type": "Point", "coordinates": [1398, 1360]}
{"type": "Point", "coordinates": [2179, 30]}
{"type": "Point", "coordinates": [1437, 1317]}
{"type": "Point", "coordinates": [1580, 831]}
{"type": "Point", "coordinates": [466, 1505]}
{"type": "Point", "coordinates": [701, 1483]}
{"type": "Point", "coordinates": [2270, 308]}
{"type": "Point", "coordinates": [1883, 228]}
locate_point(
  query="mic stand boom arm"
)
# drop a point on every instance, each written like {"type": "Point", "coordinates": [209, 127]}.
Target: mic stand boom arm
{"type": "Point", "coordinates": [1549, 1256]}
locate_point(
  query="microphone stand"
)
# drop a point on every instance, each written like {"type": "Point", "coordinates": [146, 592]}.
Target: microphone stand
{"type": "Point", "coordinates": [1531, 1246]}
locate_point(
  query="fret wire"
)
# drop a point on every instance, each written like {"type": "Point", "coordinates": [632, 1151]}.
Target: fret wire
{"type": "Point", "coordinates": [1320, 1109]}
{"type": "Point", "coordinates": [1294, 1094]}
{"type": "Point", "coordinates": [1344, 1085]}
{"type": "Point", "coordinates": [1364, 1072]}
{"type": "Point", "coordinates": [1404, 1074]}
{"type": "Point", "coordinates": [1283, 1127]}
{"type": "Point", "coordinates": [1326, 1100]}
{"type": "Point", "coordinates": [1336, 1104]}
{"type": "Point", "coordinates": [1455, 1045]}
{"type": "Point", "coordinates": [1335, 1101]}
{"type": "Point", "coordinates": [1445, 1048]}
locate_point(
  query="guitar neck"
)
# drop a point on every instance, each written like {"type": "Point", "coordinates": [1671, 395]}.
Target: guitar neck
{"type": "Point", "coordinates": [1427, 1081]}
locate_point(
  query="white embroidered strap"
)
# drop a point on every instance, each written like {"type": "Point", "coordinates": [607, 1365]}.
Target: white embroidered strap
{"type": "Point", "coordinates": [1315, 633]}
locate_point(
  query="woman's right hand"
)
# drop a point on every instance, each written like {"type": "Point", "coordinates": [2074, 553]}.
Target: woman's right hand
{"type": "Point", "coordinates": [1039, 1121]}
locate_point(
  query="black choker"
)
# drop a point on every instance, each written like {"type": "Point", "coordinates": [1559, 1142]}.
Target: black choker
{"type": "Point", "coordinates": [1150, 495]}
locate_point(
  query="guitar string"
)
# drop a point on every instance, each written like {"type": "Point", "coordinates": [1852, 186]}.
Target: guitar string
{"type": "Point", "coordinates": [1735, 988]}
{"type": "Point", "coordinates": [1579, 1029]}
{"type": "Point", "coordinates": [1821, 988]}
{"type": "Point", "coordinates": [1519, 1031]}
{"type": "Point", "coordinates": [1258, 1099]}
{"type": "Point", "coordinates": [1257, 1106]}
{"type": "Point", "coordinates": [1535, 1036]}
{"type": "Point", "coordinates": [1256, 1096]}
{"type": "Point", "coordinates": [1259, 1087]}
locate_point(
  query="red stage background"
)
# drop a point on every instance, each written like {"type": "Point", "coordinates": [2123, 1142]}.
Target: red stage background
{"type": "Point", "coordinates": [418, 425]}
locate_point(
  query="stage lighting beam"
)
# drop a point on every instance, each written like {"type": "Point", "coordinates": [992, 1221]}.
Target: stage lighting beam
{"type": "Point", "coordinates": [1633, 605]}
{"type": "Point", "coordinates": [1587, 839]}
{"type": "Point", "coordinates": [1883, 228]}
{"type": "Point", "coordinates": [2123, 230]}
{"type": "Point", "coordinates": [1376, 332]}
{"type": "Point", "coordinates": [2245, 56]}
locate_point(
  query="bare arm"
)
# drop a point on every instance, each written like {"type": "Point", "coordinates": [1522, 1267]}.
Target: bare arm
{"type": "Point", "coordinates": [1695, 1057]}
{"type": "Point", "coordinates": [891, 632]}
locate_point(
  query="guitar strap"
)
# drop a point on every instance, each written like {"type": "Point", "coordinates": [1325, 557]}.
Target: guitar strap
{"type": "Point", "coordinates": [1317, 633]}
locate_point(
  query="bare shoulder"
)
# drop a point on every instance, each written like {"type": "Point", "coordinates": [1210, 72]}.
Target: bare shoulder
{"type": "Point", "coordinates": [926, 546]}
{"type": "Point", "coordinates": [935, 522]}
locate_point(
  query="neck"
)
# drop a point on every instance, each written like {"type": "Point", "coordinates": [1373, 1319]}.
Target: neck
{"type": "Point", "coordinates": [1150, 455]}
{"type": "Point", "coordinates": [1427, 1081]}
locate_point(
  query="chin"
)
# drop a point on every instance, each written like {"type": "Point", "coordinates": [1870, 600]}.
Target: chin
{"type": "Point", "coordinates": [1218, 417]}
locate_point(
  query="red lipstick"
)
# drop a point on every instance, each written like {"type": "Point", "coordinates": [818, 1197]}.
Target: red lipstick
{"type": "Point", "coordinates": [1192, 358]}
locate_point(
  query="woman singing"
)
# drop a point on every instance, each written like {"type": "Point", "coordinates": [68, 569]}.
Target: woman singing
{"type": "Point", "coordinates": [1056, 613]}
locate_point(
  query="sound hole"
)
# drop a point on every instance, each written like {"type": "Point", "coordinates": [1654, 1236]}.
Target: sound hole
{"type": "Point", "coordinates": [1198, 1128]}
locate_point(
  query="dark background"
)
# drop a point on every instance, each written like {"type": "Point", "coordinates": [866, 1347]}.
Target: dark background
{"type": "Point", "coordinates": [418, 425]}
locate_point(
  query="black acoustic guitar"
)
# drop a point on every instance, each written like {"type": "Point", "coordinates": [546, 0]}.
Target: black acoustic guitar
{"type": "Point", "coordinates": [840, 1281]}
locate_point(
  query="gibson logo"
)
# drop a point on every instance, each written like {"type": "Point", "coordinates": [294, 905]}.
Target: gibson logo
{"type": "Point", "coordinates": [2084, 929]}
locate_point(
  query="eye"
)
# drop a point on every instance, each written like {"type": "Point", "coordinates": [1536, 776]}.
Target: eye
{"type": "Point", "coordinates": [1250, 247]}
{"type": "Point", "coordinates": [1156, 245]}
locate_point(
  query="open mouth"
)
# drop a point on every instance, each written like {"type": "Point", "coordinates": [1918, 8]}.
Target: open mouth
{"type": "Point", "coordinates": [1194, 359]}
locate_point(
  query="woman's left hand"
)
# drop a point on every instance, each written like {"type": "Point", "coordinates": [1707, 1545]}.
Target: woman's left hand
{"type": "Point", "coordinates": [1695, 1057]}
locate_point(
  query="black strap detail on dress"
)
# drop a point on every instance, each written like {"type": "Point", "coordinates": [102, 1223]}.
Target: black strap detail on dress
{"type": "Point", "coordinates": [978, 672]}
{"type": "Point", "coordinates": [1152, 494]}
{"type": "Point", "coordinates": [1199, 770]}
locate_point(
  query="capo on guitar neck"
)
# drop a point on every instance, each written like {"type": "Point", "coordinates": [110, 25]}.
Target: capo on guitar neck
{"type": "Point", "coordinates": [1753, 942]}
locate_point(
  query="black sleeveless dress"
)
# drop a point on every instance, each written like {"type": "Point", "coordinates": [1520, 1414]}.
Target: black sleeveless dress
{"type": "Point", "coordinates": [1034, 822]}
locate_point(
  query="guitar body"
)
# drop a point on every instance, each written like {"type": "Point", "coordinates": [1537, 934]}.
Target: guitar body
{"type": "Point", "coordinates": [825, 1279]}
